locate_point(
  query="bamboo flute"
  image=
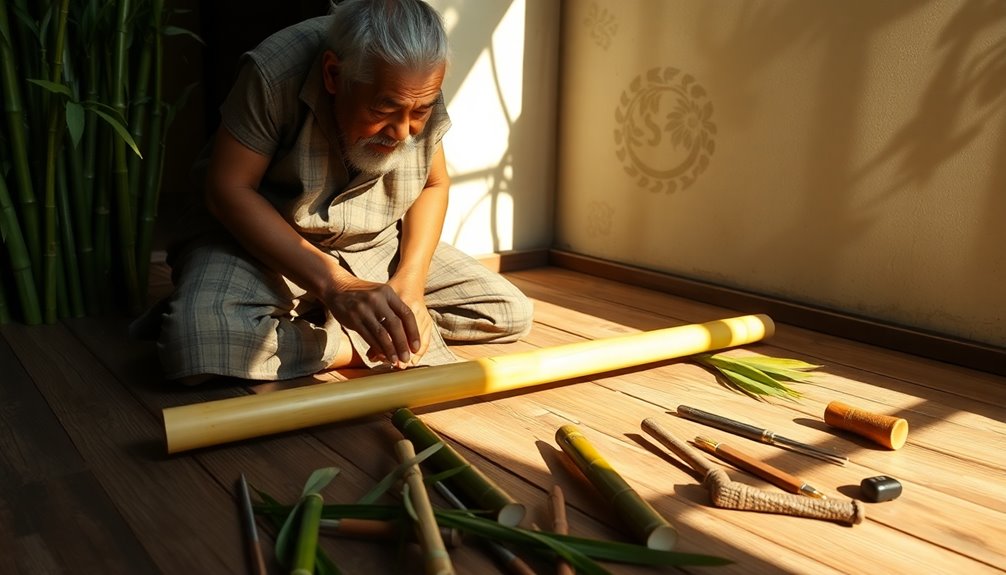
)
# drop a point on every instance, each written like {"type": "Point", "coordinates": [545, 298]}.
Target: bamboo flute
{"type": "Point", "coordinates": [216, 422]}
{"type": "Point", "coordinates": [472, 482]}
{"type": "Point", "coordinates": [436, 559]}
{"type": "Point", "coordinates": [639, 515]}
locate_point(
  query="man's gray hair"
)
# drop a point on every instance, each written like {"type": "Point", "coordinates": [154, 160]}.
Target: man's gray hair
{"type": "Point", "coordinates": [401, 33]}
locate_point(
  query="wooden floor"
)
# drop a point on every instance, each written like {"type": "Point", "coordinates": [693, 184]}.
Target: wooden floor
{"type": "Point", "coordinates": [86, 485]}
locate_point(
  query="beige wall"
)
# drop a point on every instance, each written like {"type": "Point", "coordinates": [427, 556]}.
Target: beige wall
{"type": "Point", "coordinates": [501, 94]}
{"type": "Point", "coordinates": [845, 153]}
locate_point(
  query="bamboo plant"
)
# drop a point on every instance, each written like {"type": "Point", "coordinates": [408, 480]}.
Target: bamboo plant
{"type": "Point", "coordinates": [82, 147]}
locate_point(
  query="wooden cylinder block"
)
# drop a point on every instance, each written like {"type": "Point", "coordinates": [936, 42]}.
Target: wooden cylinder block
{"type": "Point", "coordinates": [887, 430]}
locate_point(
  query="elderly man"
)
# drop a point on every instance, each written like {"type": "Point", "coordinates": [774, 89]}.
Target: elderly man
{"type": "Point", "coordinates": [330, 183]}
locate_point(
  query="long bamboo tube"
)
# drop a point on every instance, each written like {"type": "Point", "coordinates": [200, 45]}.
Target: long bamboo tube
{"type": "Point", "coordinates": [216, 422]}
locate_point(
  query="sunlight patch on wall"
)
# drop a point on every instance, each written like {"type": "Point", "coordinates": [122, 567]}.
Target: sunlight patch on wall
{"type": "Point", "coordinates": [477, 222]}
{"type": "Point", "coordinates": [483, 110]}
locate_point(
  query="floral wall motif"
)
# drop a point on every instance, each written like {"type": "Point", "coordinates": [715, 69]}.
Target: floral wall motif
{"type": "Point", "coordinates": [665, 132]}
{"type": "Point", "coordinates": [601, 24]}
{"type": "Point", "coordinates": [846, 154]}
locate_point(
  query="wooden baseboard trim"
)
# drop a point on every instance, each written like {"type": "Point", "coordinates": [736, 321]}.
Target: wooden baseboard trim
{"type": "Point", "coordinates": [513, 261]}
{"type": "Point", "coordinates": [935, 346]}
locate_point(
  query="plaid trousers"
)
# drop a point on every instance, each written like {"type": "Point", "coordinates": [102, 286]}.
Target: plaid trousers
{"type": "Point", "coordinates": [230, 315]}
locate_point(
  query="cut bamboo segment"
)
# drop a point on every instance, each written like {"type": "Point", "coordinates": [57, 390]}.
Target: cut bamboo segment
{"type": "Point", "coordinates": [436, 560]}
{"type": "Point", "coordinates": [639, 515]}
{"type": "Point", "coordinates": [216, 422]}
{"type": "Point", "coordinates": [481, 490]}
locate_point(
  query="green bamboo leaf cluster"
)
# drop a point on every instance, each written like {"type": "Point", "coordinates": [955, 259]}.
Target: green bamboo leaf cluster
{"type": "Point", "coordinates": [582, 553]}
{"type": "Point", "coordinates": [81, 147]}
{"type": "Point", "coordinates": [760, 376]}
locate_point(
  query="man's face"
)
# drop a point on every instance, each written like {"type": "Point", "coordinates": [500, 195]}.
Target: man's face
{"type": "Point", "coordinates": [377, 121]}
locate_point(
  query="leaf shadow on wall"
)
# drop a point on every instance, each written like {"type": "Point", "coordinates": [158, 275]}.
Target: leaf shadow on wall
{"type": "Point", "coordinates": [842, 196]}
{"type": "Point", "coordinates": [515, 171]}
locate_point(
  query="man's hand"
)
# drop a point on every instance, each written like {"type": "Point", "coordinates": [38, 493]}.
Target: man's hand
{"type": "Point", "coordinates": [379, 315]}
{"type": "Point", "coordinates": [414, 298]}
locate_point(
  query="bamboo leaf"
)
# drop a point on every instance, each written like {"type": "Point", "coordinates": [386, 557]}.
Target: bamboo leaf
{"type": "Point", "coordinates": [397, 473]}
{"type": "Point", "coordinates": [119, 128]}
{"type": "Point", "coordinates": [177, 31]}
{"type": "Point", "coordinates": [324, 566]}
{"type": "Point", "coordinates": [318, 480]}
{"type": "Point", "coordinates": [754, 381]}
{"type": "Point", "coordinates": [407, 502]}
{"type": "Point", "coordinates": [179, 103]}
{"type": "Point", "coordinates": [443, 475]}
{"type": "Point", "coordinates": [765, 362]}
{"type": "Point", "coordinates": [75, 121]}
{"type": "Point", "coordinates": [54, 87]}
{"type": "Point", "coordinates": [286, 533]}
{"type": "Point", "coordinates": [748, 385]}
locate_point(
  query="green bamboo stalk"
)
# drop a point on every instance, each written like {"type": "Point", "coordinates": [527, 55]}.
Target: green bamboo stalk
{"type": "Point", "coordinates": [640, 516]}
{"type": "Point", "coordinates": [469, 480]}
{"type": "Point", "coordinates": [307, 537]}
{"type": "Point", "coordinates": [83, 234]}
{"type": "Point", "coordinates": [16, 117]}
{"type": "Point", "coordinates": [92, 83]}
{"type": "Point", "coordinates": [102, 214]}
{"type": "Point", "coordinates": [68, 247]}
{"type": "Point", "coordinates": [20, 263]}
{"type": "Point", "coordinates": [124, 212]}
{"type": "Point", "coordinates": [138, 100]}
{"type": "Point", "coordinates": [155, 159]}
{"type": "Point", "coordinates": [79, 208]}
{"type": "Point", "coordinates": [50, 258]}
{"type": "Point", "coordinates": [25, 48]}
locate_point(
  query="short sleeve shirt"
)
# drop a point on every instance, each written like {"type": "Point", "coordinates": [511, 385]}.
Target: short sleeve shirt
{"type": "Point", "coordinates": [279, 107]}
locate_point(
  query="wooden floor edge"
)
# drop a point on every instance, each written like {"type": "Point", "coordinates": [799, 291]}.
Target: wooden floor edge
{"type": "Point", "coordinates": [935, 346]}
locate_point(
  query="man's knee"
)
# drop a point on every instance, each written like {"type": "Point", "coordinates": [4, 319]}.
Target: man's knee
{"type": "Point", "coordinates": [202, 337]}
{"type": "Point", "coordinates": [522, 315]}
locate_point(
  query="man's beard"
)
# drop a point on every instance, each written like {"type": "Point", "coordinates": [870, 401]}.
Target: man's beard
{"type": "Point", "coordinates": [373, 162]}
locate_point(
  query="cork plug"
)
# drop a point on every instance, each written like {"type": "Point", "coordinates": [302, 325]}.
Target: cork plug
{"type": "Point", "coordinates": [887, 430]}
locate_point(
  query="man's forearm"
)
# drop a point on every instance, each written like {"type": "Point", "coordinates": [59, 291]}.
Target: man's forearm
{"type": "Point", "coordinates": [261, 230]}
{"type": "Point", "coordinates": [422, 226]}
{"type": "Point", "coordinates": [421, 229]}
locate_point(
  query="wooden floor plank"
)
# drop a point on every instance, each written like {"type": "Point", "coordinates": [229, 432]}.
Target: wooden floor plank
{"type": "Point", "coordinates": [169, 503]}
{"type": "Point", "coordinates": [69, 525]}
{"type": "Point", "coordinates": [33, 445]}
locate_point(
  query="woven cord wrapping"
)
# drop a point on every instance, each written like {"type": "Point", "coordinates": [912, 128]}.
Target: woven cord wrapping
{"type": "Point", "coordinates": [734, 495]}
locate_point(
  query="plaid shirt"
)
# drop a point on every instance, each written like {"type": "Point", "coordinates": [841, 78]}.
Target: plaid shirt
{"type": "Point", "coordinates": [279, 108]}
